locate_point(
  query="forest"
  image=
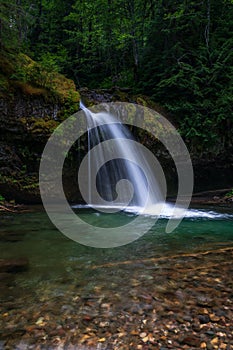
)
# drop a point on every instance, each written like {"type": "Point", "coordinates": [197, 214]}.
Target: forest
{"type": "Point", "coordinates": [109, 248]}
{"type": "Point", "coordinates": [177, 52]}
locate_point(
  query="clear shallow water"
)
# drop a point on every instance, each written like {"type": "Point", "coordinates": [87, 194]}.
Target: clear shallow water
{"type": "Point", "coordinates": [67, 284]}
{"type": "Point", "coordinates": [52, 255]}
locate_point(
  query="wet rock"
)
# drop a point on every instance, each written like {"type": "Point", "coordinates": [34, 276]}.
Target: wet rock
{"type": "Point", "coordinates": [203, 318]}
{"type": "Point", "coordinates": [2, 344]}
{"type": "Point", "coordinates": [187, 318]}
{"type": "Point", "coordinates": [203, 300]}
{"type": "Point", "coordinates": [191, 340]}
{"type": "Point", "coordinates": [210, 333]}
{"type": "Point", "coordinates": [67, 308]}
{"type": "Point", "coordinates": [14, 265]}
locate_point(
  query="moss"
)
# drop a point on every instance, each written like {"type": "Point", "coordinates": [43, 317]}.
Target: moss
{"type": "Point", "coordinates": [65, 88]}
{"type": "Point", "coordinates": [28, 89]}
{"type": "Point", "coordinates": [31, 186]}
{"type": "Point", "coordinates": [147, 102]}
{"type": "Point", "coordinates": [141, 101]}
{"type": "Point", "coordinates": [18, 71]}
{"type": "Point", "coordinates": [37, 76]}
{"type": "Point", "coordinates": [39, 125]}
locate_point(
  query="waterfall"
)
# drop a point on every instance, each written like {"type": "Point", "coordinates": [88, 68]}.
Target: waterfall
{"type": "Point", "coordinates": [119, 175]}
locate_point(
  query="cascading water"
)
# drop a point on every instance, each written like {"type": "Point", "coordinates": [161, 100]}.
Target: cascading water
{"type": "Point", "coordinates": [121, 175]}
{"type": "Point", "coordinates": [119, 180]}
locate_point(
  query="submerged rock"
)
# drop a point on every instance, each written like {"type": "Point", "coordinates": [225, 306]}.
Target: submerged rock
{"type": "Point", "coordinates": [5, 277]}
{"type": "Point", "coordinates": [14, 265]}
{"type": "Point", "coordinates": [6, 236]}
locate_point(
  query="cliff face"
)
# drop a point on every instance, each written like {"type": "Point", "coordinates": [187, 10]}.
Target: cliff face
{"type": "Point", "coordinates": [22, 105]}
{"type": "Point", "coordinates": [29, 112]}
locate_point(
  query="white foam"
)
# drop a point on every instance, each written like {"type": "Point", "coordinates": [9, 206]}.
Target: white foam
{"type": "Point", "coordinates": [162, 210]}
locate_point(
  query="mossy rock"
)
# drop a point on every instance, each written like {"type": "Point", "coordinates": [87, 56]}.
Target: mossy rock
{"type": "Point", "coordinates": [23, 189]}
{"type": "Point", "coordinates": [18, 71]}
{"type": "Point", "coordinates": [36, 126]}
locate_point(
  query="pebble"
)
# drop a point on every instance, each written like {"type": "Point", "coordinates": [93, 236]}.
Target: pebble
{"type": "Point", "coordinates": [214, 318]}
{"type": "Point", "coordinates": [105, 306]}
{"type": "Point", "coordinates": [214, 341]}
{"type": "Point", "coordinates": [102, 340]}
{"type": "Point", "coordinates": [145, 339]}
{"type": "Point", "coordinates": [211, 333]}
{"type": "Point", "coordinates": [143, 335]}
{"type": "Point", "coordinates": [203, 318]}
{"type": "Point", "coordinates": [40, 321]}
{"type": "Point", "coordinates": [191, 340]}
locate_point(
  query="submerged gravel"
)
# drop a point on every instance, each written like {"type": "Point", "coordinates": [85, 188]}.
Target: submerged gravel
{"type": "Point", "coordinates": [178, 302]}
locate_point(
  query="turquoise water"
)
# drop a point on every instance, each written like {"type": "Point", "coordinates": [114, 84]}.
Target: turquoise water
{"type": "Point", "coordinates": [52, 255]}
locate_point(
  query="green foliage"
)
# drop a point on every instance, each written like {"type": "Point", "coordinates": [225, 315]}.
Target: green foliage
{"type": "Point", "coordinates": [48, 62]}
{"type": "Point", "coordinates": [8, 25]}
{"type": "Point", "coordinates": [20, 73]}
{"type": "Point", "coordinates": [2, 199]}
{"type": "Point", "coordinates": [229, 194]}
{"type": "Point", "coordinates": [192, 74]}
{"type": "Point", "coordinates": [70, 106]}
{"type": "Point", "coordinates": [178, 52]}
{"type": "Point", "coordinates": [41, 74]}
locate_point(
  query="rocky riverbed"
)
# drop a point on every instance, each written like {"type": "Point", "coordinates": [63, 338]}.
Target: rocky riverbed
{"type": "Point", "coordinates": [175, 302]}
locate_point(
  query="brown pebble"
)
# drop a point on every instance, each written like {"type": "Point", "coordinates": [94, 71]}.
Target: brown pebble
{"type": "Point", "coordinates": [214, 318]}
{"type": "Point", "coordinates": [214, 341]}
{"type": "Point", "coordinates": [191, 340]}
{"type": "Point", "coordinates": [84, 338]}
{"type": "Point", "coordinates": [203, 311]}
{"type": "Point", "coordinates": [101, 340]}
